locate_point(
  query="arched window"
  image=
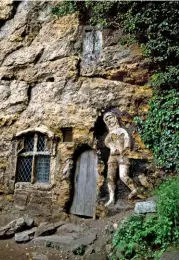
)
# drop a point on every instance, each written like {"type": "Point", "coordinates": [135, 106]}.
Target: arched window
{"type": "Point", "coordinates": [33, 162]}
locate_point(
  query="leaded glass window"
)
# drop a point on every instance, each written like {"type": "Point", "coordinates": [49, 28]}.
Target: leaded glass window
{"type": "Point", "coordinates": [34, 160]}
{"type": "Point", "coordinates": [24, 169]}
{"type": "Point", "coordinates": [42, 168]}
{"type": "Point", "coordinates": [29, 143]}
{"type": "Point", "coordinates": [41, 143]}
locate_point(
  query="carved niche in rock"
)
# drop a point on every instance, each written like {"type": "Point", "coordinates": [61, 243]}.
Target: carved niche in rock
{"type": "Point", "coordinates": [92, 49]}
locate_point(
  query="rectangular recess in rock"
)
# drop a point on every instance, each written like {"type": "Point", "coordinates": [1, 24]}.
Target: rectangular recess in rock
{"type": "Point", "coordinates": [67, 134]}
{"type": "Point", "coordinates": [92, 45]}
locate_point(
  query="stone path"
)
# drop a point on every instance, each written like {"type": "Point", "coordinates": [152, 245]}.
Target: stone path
{"type": "Point", "coordinates": [83, 236]}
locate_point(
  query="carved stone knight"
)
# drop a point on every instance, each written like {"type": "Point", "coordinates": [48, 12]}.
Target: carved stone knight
{"type": "Point", "coordinates": [118, 141]}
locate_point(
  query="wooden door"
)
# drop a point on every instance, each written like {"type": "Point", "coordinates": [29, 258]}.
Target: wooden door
{"type": "Point", "coordinates": [85, 184]}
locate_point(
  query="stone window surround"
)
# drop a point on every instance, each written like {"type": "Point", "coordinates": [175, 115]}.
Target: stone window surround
{"type": "Point", "coordinates": [33, 153]}
{"type": "Point", "coordinates": [12, 164]}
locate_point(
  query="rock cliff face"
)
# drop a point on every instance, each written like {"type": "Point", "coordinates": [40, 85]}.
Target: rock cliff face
{"type": "Point", "coordinates": [59, 75]}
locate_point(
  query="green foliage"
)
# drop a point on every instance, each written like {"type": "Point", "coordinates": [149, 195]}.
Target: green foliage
{"type": "Point", "coordinates": [168, 200]}
{"type": "Point", "coordinates": [127, 40]}
{"type": "Point", "coordinates": [147, 237]}
{"type": "Point", "coordinates": [155, 25]}
{"type": "Point", "coordinates": [80, 250]}
{"type": "Point", "coordinates": [164, 79]}
{"type": "Point", "coordinates": [161, 130]}
{"type": "Point", "coordinates": [67, 7]}
{"type": "Point", "coordinates": [104, 13]}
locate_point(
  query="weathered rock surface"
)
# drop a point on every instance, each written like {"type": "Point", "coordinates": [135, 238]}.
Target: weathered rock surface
{"type": "Point", "coordinates": [69, 228]}
{"type": "Point", "coordinates": [16, 225]}
{"type": "Point", "coordinates": [145, 207]}
{"type": "Point", "coordinates": [72, 241]}
{"type": "Point", "coordinates": [120, 205]}
{"type": "Point", "coordinates": [54, 240]}
{"type": "Point", "coordinates": [25, 236]}
{"type": "Point", "coordinates": [45, 81]}
{"type": "Point", "coordinates": [84, 240]}
{"type": "Point", "coordinates": [47, 229]}
{"type": "Point", "coordinates": [29, 221]}
{"type": "Point", "coordinates": [6, 8]}
{"type": "Point", "coordinates": [170, 256]}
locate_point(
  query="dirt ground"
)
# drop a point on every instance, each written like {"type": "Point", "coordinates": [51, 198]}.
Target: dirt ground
{"type": "Point", "coordinates": [10, 250]}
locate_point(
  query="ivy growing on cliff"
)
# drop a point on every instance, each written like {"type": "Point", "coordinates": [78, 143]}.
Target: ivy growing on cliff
{"type": "Point", "coordinates": [161, 129]}
{"type": "Point", "coordinates": [155, 25]}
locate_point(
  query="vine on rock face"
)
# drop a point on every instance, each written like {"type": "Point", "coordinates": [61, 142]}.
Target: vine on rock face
{"type": "Point", "coordinates": [161, 130]}
{"type": "Point", "coordinates": [155, 26]}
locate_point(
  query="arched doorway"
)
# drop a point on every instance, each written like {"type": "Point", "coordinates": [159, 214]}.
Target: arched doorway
{"type": "Point", "coordinates": [85, 184]}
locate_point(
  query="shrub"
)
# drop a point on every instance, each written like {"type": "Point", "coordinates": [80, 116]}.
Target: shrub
{"type": "Point", "coordinates": [147, 237]}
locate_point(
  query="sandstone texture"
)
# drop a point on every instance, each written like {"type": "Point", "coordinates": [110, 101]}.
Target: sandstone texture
{"type": "Point", "coordinates": [47, 82]}
{"type": "Point", "coordinates": [47, 229]}
{"type": "Point", "coordinates": [6, 9]}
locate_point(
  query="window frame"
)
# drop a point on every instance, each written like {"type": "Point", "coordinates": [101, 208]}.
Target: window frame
{"type": "Point", "coordinates": [34, 154]}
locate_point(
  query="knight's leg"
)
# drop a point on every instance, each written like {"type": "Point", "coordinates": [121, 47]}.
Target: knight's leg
{"type": "Point", "coordinates": [123, 173]}
{"type": "Point", "coordinates": [112, 167]}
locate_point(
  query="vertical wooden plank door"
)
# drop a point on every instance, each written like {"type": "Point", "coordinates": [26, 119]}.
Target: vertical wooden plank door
{"type": "Point", "coordinates": [85, 184]}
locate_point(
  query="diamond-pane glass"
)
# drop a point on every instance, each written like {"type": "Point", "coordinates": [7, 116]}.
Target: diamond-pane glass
{"type": "Point", "coordinates": [41, 143]}
{"type": "Point", "coordinates": [29, 143]}
{"type": "Point", "coordinates": [42, 168]}
{"type": "Point", "coordinates": [24, 169]}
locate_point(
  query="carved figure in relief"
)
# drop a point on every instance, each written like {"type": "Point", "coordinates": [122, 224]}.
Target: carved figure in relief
{"type": "Point", "coordinates": [118, 141]}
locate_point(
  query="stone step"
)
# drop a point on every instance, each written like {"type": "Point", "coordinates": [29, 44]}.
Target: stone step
{"type": "Point", "coordinates": [25, 236]}
{"type": "Point", "coordinates": [59, 241]}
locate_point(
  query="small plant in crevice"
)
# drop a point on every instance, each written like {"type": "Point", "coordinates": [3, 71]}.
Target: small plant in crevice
{"type": "Point", "coordinates": [148, 236]}
{"type": "Point", "coordinates": [66, 7]}
{"type": "Point", "coordinates": [79, 250]}
{"type": "Point", "coordinates": [127, 40]}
